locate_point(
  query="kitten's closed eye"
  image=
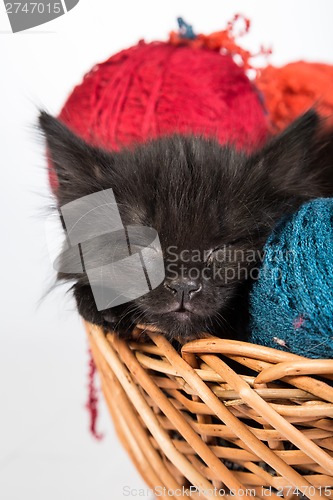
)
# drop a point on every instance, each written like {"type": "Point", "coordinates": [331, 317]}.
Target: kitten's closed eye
{"type": "Point", "coordinates": [222, 252]}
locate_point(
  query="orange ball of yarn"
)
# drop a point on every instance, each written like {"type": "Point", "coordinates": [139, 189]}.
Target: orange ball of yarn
{"type": "Point", "coordinates": [292, 89]}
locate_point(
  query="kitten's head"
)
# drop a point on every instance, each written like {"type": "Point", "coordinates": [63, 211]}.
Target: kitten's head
{"type": "Point", "coordinates": [213, 209]}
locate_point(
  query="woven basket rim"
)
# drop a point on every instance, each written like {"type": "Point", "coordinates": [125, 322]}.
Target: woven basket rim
{"type": "Point", "coordinates": [212, 343]}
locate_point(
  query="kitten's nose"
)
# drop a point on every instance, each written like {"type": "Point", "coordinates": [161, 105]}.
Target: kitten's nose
{"type": "Point", "coordinates": [184, 289]}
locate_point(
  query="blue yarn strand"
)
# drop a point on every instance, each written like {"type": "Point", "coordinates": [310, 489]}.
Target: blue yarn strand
{"type": "Point", "coordinates": [185, 30]}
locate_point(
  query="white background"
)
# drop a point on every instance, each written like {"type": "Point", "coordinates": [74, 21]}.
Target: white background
{"type": "Point", "coordinates": [46, 452]}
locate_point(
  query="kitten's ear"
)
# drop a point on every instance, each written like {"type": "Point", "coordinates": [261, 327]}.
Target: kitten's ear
{"type": "Point", "coordinates": [79, 167]}
{"type": "Point", "coordinates": [287, 161]}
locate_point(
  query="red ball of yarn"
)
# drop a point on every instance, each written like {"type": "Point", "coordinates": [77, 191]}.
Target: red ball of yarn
{"type": "Point", "coordinates": [159, 88]}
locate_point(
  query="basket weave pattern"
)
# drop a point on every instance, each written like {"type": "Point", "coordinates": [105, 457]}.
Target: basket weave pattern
{"type": "Point", "coordinates": [198, 418]}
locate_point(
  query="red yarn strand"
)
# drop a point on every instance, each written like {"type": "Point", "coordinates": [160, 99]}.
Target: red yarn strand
{"type": "Point", "coordinates": [93, 400]}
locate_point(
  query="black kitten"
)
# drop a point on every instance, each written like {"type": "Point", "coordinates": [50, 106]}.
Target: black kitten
{"type": "Point", "coordinates": [212, 206]}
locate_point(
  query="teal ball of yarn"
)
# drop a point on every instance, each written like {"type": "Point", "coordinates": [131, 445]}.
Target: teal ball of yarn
{"type": "Point", "coordinates": [291, 302]}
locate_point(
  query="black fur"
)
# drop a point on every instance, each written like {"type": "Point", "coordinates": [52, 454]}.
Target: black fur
{"type": "Point", "coordinates": [202, 198]}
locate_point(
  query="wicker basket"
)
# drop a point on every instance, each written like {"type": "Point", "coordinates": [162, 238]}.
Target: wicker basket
{"type": "Point", "coordinates": [225, 417]}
